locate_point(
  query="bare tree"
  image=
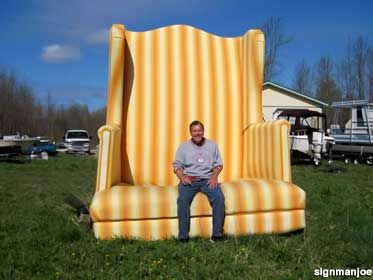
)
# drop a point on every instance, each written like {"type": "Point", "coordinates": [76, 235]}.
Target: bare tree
{"type": "Point", "coordinates": [302, 81]}
{"type": "Point", "coordinates": [16, 103]}
{"type": "Point", "coordinates": [360, 51]}
{"type": "Point", "coordinates": [370, 74]}
{"type": "Point", "coordinates": [97, 120]}
{"type": "Point", "coordinates": [355, 70]}
{"type": "Point", "coordinates": [275, 39]}
{"type": "Point", "coordinates": [326, 87]}
{"type": "Point", "coordinates": [50, 116]}
{"type": "Point", "coordinates": [346, 77]}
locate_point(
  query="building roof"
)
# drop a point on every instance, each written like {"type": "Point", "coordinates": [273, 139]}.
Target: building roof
{"type": "Point", "coordinates": [295, 93]}
{"type": "Point", "coordinates": [350, 103]}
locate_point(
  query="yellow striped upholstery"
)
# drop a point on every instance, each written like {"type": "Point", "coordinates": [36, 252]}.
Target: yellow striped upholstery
{"type": "Point", "coordinates": [153, 229]}
{"type": "Point", "coordinates": [160, 81]}
{"type": "Point", "coordinates": [180, 74]}
{"type": "Point", "coordinates": [268, 153]}
{"type": "Point", "coordinates": [150, 202]}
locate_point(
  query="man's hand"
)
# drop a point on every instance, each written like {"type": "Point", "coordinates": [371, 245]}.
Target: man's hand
{"type": "Point", "coordinates": [183, 178]}
{"type": "Point", "coordinates": [213, 182]}
{"type": "Point", "coordinates": [186, 180]}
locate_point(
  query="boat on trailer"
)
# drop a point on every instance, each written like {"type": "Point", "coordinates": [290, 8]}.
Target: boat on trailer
{"type": "Point", "coordinates": [354, 139]}
{"type": "Point", "coordinates": [15, 145]}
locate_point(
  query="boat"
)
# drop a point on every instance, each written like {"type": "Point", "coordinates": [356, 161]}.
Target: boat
{"type": "Point", "coordinates": [354, 139]}
{"type": "Point", "coordinates": [15, 145]}
{"type": "Point", "coordinates": [308, 138]}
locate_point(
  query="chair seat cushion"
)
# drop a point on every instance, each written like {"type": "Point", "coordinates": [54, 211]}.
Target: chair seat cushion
{"type": "Point", "coordinates": [124, 202]}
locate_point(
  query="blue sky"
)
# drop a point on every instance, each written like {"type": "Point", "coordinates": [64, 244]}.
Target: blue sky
{"type": "Point", "coordinates": [61, 47]}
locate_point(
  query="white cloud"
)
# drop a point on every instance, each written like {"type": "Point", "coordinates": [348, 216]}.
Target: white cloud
{"type": "Point", "coordinates": [59, 53]}
{"type": "Point", "coordinates": [100, 36]}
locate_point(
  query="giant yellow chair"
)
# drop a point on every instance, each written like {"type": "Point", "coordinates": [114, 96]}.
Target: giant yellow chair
{"type": "Point", "coordinates": [160, 81]}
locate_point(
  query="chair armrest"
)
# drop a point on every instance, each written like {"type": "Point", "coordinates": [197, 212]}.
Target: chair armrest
{"type": "Point", "coordinates": [109, 157]}
{"type": "Point", "coordinates": [268, 152]}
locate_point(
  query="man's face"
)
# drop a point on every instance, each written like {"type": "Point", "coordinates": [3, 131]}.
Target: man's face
{"type": "Point", "coordinates": [196, 132]}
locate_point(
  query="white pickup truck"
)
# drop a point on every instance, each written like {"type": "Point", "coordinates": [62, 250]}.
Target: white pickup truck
{"type": "Point", "coordinates": [77, 141]}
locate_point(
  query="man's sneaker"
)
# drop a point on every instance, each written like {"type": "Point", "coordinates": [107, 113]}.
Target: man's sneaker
{"type": "Point", "coordinates": [184, 240]}
{"type": "Point", "coordinates": [217, 239]}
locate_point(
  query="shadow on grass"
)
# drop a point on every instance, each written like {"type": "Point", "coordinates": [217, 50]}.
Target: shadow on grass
{"type": "Point", "coordinates": [16, 160]}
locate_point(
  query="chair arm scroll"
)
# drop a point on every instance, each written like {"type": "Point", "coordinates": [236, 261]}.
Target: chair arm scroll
{"type": "Point", "coordinates": [109, 159]}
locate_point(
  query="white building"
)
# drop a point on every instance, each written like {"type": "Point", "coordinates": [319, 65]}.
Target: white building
{"type": "Point", "coordinates": [277, 97]}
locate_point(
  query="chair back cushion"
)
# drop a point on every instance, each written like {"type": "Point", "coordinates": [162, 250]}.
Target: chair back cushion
{"type": "Point", "coordinates": [172, 76]}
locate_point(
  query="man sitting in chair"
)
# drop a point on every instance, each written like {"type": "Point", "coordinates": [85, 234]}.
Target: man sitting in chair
{"type": "Point", "coordinates": [197, 164]}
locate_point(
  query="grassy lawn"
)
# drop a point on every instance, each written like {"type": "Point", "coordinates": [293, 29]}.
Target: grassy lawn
{"type": "Point", "coordinates": [38, 239]}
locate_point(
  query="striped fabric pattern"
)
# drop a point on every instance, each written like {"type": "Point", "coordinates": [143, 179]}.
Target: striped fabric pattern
{"type": "Point", "coordinates": [152, 202]}
{"type": "Point", "coordinates": [243, 224]}
{"type": "Point", "coordinates": [109, 158]}
{"type": "Point", "coordinates": [179, 74]}
{"type": "Point", "coordinates": [268, 154]}
{"type": "Point", "coordinates": [252, 57]}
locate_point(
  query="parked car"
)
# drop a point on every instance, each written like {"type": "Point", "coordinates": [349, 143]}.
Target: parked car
{"type": "Point", "coordinates": [61, 145]}
{"type": "Point", "coordinates": [77, 141]}
{"type": "Point", "coordinates": [44, 148]}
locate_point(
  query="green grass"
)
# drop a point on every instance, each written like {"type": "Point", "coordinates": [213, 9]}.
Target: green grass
{"type": "Point", "coordinates": [38, 239]}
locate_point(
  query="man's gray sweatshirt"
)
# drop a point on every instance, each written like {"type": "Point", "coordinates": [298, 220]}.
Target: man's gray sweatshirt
{"type": "Point", "coordinates": [198, 160]}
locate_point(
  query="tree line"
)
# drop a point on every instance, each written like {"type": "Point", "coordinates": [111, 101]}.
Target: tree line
{"type": "Point", "coordinates": [349, 77]}
{"type": "Point", "coordinates": [328, 79]}
{"type": "Point", "coordinates": [346, 78]}
{"type": "Point", "coordinates": [21, 112]}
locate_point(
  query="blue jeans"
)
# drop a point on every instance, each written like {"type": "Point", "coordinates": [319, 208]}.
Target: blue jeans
{"type": "Point", "coordinates": [186, 195]}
